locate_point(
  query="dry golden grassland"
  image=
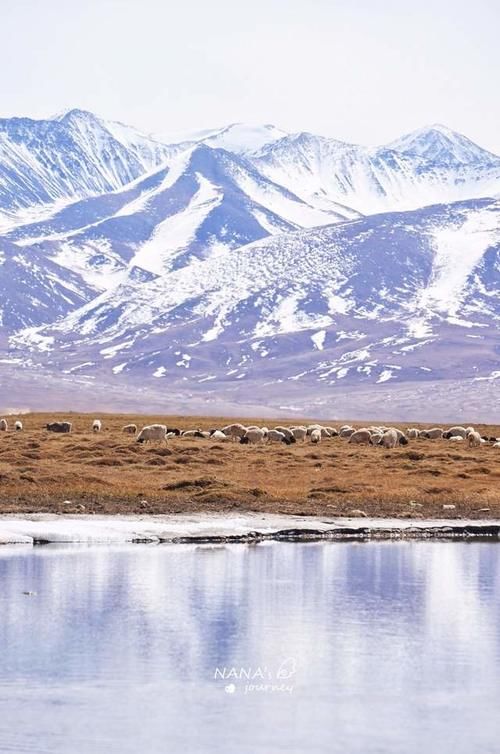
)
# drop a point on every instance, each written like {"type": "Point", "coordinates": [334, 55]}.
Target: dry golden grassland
{"type": "Point", "coordinates": [110, 472]}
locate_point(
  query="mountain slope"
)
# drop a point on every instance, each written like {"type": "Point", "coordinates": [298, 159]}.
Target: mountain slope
{"type": "Point", "coordinates": [237, 262]}
{"type": "Point", "coordinates": [359, 302]}
{"type": "Point", "coordinates": [43, 162]}
{"type": "Point", "coordinates": [35, 290]}
{"type": "Point", "coordinates": [208, 201]}
{"type": "Point", "coordinates": [420, 169]}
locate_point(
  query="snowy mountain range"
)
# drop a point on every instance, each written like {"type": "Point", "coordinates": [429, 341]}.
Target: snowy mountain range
{"type": "Point", "coordinates": [247, 268]}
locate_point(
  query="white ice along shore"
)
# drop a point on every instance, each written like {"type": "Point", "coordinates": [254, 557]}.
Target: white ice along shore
{"type": "Point", "coordinates": [41, 529]}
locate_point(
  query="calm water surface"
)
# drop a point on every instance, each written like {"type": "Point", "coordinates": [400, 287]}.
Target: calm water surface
{"type": "Point", "coordinates": [297, 648]}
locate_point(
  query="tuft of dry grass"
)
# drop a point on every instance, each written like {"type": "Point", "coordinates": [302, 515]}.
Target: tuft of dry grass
{"type": "Point", "coordinates": [111, 473]}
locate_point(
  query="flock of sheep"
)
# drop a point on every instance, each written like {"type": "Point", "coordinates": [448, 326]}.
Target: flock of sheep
{"type": "Point", "coordinates": [387, 437]}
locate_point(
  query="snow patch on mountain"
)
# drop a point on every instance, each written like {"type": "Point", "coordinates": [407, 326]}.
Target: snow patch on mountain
{"type": "Point", "coordinates": [176, 232]}
{"type": "Point", "coordinates": [458, 251]}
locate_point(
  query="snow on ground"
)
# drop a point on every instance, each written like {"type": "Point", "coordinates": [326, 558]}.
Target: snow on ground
{"type": "Point", "coordinates": [273, 197]}
{"type": "Point", "coordinates": [175, 233]}
{"type": "Point", "coordinates": [319, 339]}
{"type": "Point", "coordinates": [82, 529]}
{"type": "Point", "coordinates": [458, 252]}
{"type": "Point", "coordinates": [385, 375]}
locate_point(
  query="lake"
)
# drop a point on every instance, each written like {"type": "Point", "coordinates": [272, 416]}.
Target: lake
{"type": "Point", "coordinates": [318, 647]}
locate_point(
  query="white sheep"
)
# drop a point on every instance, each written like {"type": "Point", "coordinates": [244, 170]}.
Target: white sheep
{"type": "Point", "coordinates": [300, 433]}
{"type": "Point", "coordinates": [412, 433]}
{"type": "Point", "coordinates": [435, 433]}
{"type": "Point", "coordinates": [3, 425]}
{"type": "Point", "coordinates": [216, 434]}
{"type": "Point", "coordinates": [275, 435]}
{"type": "Point", "coordinates": [130, 429]}
{"type": "Point", "coordinates": [332, 431]}
{"type": "Point", "coordinates": [390, 438]}
{"type": "Point", "coordinates": [474, 439]}
{"type": "Point", "coordinates": [18, 426]}
{"type": "Point", "coordinates": [96, 425]}
{"type": "Point", "coordinates": [347, 431]}
{"type": "Point", "coordinates": [456, 438]}
{"type": "Point", "coordinates": [197, 433]}
{"type": "Point", "coordinates": [153, 432]}
{"type": "Point", "coordinates": [287, 432]}
{"type": "Point", "coordinates": [316, 436]}
{"type": "Point", "coordinates": [252, 437]}
{"type": "Point", "coordinates": [456, 432]}
{"type": "Point", "coordinates": [361, 437]}
{"type": "Point", "coordinates": [324, 431]}
{"type": "Point", "coordinates": [234, 431]}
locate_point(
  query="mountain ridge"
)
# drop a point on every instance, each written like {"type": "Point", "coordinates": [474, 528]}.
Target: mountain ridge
{"type": "Point", "coordinates": [247, 259]}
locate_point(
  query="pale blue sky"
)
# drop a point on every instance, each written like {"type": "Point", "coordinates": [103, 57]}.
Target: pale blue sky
{"type": "Point", "coordinates": [359, 70]}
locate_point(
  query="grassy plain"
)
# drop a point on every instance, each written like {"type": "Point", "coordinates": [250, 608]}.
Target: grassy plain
{"type": "Point", "coordinates": [111, 473]}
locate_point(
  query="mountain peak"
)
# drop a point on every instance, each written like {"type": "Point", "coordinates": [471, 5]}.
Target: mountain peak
{"type": "Point", "coordinates": [443, 146]}
{"type": "Point", "coordinates": [245, 138]}
{"type": "Point", "coordinates": [74, 113]}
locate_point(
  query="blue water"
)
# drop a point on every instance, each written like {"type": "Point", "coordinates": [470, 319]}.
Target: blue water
{"type": "Point", "coordinates": [296, 648]}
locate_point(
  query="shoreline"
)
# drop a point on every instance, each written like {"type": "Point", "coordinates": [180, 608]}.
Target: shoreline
{"type": "Point", "coordinates": [249, 528]}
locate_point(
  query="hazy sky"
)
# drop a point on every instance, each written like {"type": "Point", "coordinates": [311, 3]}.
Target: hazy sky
{"type": "Point", "coordinates": [359, 70]}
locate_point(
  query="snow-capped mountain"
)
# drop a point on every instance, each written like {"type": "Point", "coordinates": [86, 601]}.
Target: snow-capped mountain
{"type": "Point", "coordinates": [34, 289]}
{"type": "Point", "coordinates": [399, 297]}
{"type": "Point", "coordinates": [444, 148]}
{"type": "Point", "coordinates": [429, 166]}
{"type": "Point", "coordinates": [70, 156]}
{"type": "Point", "coordinates": [240, 138]}
{"type": "Point", "coordinates": [247, 261]}
{"type": "Point", "coordinates": [208, 200]}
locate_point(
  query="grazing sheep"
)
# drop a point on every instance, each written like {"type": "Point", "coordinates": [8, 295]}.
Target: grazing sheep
{"type": "Point", "coordinates": [3, 425]}
{"type": "Point", "coordinates": [274, 435]}
{"type": "Point", "coordinates": [412, 433]}
{"type": "Point", "coordinates": [431, 434]}
{"type": "Point", "coordinates": [58, 427]}
{"type": "Point", "coordinates": [130, 429]}
{"type": "Point", "coordinates": [360, 437]}
{"type": "Point", "coordinates": [347, 431]}
{"type": "Point", "coordinates": [96, 425]}
{"type": "Point", "coordinates": [390, 439]}
{"type": "Point", "coordinates": [195, 433]}
{"type": "Point", "coordinates": [316, 436]}
{"type": "Point", "coordinates": [323, 430]}
{"type": "Point", "coordinates": [455, 432]}
{"type": "Point", "coordinates": [252, 437]}
{"type": "Point", "coordinates": [152, 432]}
{"type": "Point", "coordinates": [234, 431]}
{"type": "Point", "coordinates": [216, 434]}
{"type": "Point", "coordinates": [300, 433]}
{"type": "Point", "coordinates": [474, 439]}
{"type": "Point", "coordinates": [333, 432]}
{"type": "Point", "coordinates": [402, 440]}
{"type": "Point", "coordinates": [287, 432]}
{"type": "Point", "coordinates": [18, 426]}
